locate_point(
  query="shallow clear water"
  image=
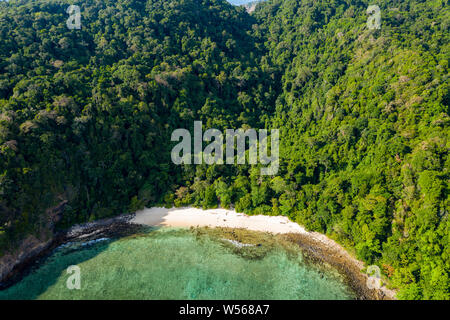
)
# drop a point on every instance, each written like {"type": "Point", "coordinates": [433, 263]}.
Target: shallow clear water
{"type": "Point", "coordinates": [176, 264]}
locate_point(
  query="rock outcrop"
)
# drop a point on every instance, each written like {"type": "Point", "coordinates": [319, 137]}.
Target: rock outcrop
{"type": "Point", "coordinates": [30, 248]}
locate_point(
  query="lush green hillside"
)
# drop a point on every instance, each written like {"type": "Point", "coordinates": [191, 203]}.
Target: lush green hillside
{"type": "Point", "coordinates": [365, 123]}
{"type": "Point", "coordinates": [86, 116]}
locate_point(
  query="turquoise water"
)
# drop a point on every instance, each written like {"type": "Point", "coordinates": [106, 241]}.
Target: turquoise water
{"type": "Point", "coordinates": [178, 264]}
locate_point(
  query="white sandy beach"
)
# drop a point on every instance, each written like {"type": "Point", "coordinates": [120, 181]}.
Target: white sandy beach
{"type": "Point", "coordinates": [193, 217]}
{"type": "Point", "coordinates": [215, 218]}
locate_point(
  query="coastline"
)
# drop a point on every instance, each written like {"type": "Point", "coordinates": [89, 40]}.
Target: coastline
{"type": "Point", "coordinates": [213, 218]}
{"type": "Point", "coordinates": [317, 246]}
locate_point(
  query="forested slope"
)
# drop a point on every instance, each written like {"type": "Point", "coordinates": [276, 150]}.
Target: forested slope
{"type": "Point", "coordinates": [365, 123]}
{"type": "Point", "coordinates": [86, 116]}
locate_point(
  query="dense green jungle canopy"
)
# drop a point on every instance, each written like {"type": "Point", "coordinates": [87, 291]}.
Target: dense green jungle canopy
{"type": "Point", "coordinates": [86, 117]}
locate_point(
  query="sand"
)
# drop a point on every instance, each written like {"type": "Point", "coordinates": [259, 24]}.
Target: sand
{"type": "Point", "coordinates": [315, 244]}
{"type": "Point", "coordinates": [193, 217]}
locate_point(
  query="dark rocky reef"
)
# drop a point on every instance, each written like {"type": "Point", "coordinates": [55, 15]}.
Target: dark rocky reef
{"type": "Point", "coordinates": [350, 269]}
{"type": "Point", "coordinates": [13, 266]}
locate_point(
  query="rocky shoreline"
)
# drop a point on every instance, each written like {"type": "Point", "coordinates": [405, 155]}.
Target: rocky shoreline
{"type": "Point", "coordinates": [14, 266]}
{"type": "Point", "coordinates": [343, 262]}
